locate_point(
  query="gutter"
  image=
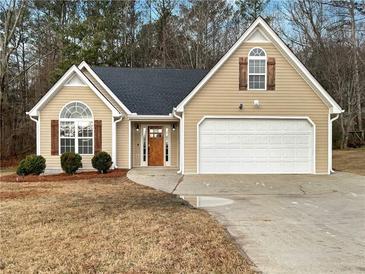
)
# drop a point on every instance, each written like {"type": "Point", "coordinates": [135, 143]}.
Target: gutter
{"type": "Point", "coordinates": [331, 122]}
{"type": "Point", "coordinates": [114, 138]}
{"type": "Point", "coordinates": [38, 147]}
{"type": "Point", "coordinates": [181, 139]}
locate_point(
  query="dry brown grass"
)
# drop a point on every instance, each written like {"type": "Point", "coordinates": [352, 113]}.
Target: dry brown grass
{"type": "Point", "coordinates": [109, 225]}
{"type": "Point", "coordinates": [350, 160]}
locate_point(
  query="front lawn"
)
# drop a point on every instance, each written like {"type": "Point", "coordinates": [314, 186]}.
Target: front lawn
{"type": "Point", "coordinates": [350, 160]}
{"type": "Point", "coordinates": [108, 225]}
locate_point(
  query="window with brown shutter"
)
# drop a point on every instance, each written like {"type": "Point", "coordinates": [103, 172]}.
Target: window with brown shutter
{"type": "Point", "coordinates": [270, 73]}
{"type": "Point", "coordinates": [54, 137]}
{"type": "Point", "coordinates": [243, 73]}
{"type": "Point", "coordinates": [97, 136]}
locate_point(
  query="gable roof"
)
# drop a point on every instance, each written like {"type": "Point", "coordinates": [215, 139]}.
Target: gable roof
{"type": "Point", "coordinates": [65, 80]}
{"type": "Point", "coordinates": [150, 91]}
{"type": "Point", "coordinates": [308, 77]}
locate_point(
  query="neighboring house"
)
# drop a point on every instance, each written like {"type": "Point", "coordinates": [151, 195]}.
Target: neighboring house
{"type": "Point", "coordinates": [258, 110]}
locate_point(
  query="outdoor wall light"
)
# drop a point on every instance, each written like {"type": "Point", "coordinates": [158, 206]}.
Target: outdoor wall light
{"type": "Point", "coordinates": [137, 127]}
{"type": "Point", "coordinates": [173, 127]}
{"type": "Point", "coordinates": [240, 106]}
{"type": "Point", "coordinates": [256, 103]}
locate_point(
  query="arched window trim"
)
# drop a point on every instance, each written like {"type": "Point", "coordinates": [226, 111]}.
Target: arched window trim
{"type": "Point", "coordinates": [252, 73]}
{"type": "Point", "coordinates": [75, 123]}
{"type": "Point", "coordinates": [71, 102]}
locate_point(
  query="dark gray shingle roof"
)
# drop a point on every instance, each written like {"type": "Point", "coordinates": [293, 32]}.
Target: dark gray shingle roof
{"type": "Point", "coordinates": [150, 91]}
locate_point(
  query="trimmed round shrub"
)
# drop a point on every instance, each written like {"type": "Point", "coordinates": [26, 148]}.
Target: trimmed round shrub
{"type": "Point", "coordinates": [22, 169]}
{"type": "Point", "coordinates": [71, 162]}
{"type": "Point", "coordinates": [32, 164]}
{"type": "Point", "coordinates": [102, 161]}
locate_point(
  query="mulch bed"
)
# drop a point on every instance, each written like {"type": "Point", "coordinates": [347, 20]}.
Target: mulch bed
{"type": "Point", "coordinates": [63, 176]}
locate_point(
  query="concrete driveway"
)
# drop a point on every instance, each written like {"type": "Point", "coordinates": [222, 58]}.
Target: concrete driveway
{"type": "Point", "coordinates": [285, 223]}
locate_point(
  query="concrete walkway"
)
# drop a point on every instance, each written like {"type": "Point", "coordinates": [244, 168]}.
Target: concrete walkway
{"type": "Point", "coordinates": [284, 223]}
{"type": "Point", "coordinates": [160, 178]}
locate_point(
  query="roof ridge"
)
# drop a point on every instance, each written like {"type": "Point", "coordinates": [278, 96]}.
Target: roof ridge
{"type": "Point", "coordinates": [150, 68]}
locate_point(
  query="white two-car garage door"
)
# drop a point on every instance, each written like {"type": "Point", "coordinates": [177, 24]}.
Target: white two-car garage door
{"type": "Point", "coordinates": [236, 145]}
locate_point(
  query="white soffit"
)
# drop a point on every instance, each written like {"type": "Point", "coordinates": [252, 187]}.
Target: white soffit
{"type": "Point", "coordinates": [75, 81]}
{"type": "Point", "coordinates": [257, 36]}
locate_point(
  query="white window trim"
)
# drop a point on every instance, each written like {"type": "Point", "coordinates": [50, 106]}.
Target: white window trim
{"type": "Point", "coordinates": [142, 128]}
{"type": "Point", "coordinates": [76, 122]}
{"type": "Point", "coordinates": [248, 69]}
{"type": "Point", "coordinates": [169, 129]}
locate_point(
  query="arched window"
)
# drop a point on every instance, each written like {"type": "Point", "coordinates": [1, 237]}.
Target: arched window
{"type": "Point", "coordinates": [76, 129]}
{"type": "Point", "coordinates": [257, 69]}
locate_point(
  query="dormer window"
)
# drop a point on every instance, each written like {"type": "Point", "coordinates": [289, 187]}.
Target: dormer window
{"type": "Point", "coordinates": [257, 69]}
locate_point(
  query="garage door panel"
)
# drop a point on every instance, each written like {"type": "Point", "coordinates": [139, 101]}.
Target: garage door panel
{"type": "Point", "coordinates": [256, 146]}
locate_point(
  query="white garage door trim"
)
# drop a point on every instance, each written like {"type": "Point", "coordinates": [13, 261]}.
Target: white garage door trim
{"type": "Point", "coordinates": [253, 117]}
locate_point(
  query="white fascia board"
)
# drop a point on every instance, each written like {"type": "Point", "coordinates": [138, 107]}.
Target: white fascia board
{"type": "Point", "coordinates": [97, 78]}
{"type": "Point", "coordinates": [180, 107]}
{"type": "Point", "coordinates": [45, 98]}
{"type": "Point", "coordinates": [335, 108]}
{"type": "Point", "coordinates": [73, 70]}
{"type": "Point", "coordinates": [135, 117]}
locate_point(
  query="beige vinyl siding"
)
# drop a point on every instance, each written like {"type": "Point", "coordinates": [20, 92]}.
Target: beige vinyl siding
{"type": "Point", "coordinates": [122, 127]}
{"type": "Point", "coordinates": [52, 110]}
{"type": "Point", "coordinates": [291, 97]}
{"type": "Point", "coordinates": [136, 144]}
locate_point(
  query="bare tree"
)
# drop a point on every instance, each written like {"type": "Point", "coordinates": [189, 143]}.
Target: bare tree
{"type": "Point", "coordinates": [324, 34]}
{"type": "Point", "coordinates": [12, 12]}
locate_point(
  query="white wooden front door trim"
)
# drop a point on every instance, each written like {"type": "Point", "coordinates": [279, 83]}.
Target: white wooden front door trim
{"type": "Point", "coordinates": [164, 127]}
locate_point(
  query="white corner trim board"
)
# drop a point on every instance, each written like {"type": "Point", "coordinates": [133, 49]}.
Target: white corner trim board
{"type": "Point", "coordinates": [38, 130]}
{"type": "Point", "coordinates": [304, 133]}
{"type": "Point", "coordinates": [330, 129]}
{"type": "Point", "coordinates": [181, 140]}
{"type": "Point", "coordinates": [259, 22]}
{"type": "Point", "coordinates": [56, 87]}
{"type": "Point", "coordinates": [97, 78]}
{"type": "Point", "coordinates": [129, 144]}
{"type": "Point", "coordinates": [115, 120]}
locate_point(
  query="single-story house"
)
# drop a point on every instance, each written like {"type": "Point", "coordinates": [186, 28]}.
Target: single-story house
{"type": "Point", "coordinates": [258, 110]}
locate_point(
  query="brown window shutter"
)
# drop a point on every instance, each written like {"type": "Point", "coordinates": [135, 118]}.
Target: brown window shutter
{"type": "Point", "coordinates": [270, 73]}
{"type": "Point", "coordinates": [243, 73]}
{"type": "Point", "coordinates": [54, 137]}
{"type": "Point", "coordinates": [97, 136]}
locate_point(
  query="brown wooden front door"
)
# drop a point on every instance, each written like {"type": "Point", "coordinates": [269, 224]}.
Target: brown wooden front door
{"type": "Point", "coordinates": [155, 146]}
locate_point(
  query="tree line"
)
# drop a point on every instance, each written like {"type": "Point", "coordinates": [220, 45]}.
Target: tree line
{"type": "Point", "coordinates": [41, 39]}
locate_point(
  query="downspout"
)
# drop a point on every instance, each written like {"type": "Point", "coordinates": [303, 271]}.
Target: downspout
{"type": "Point", "coordinates": [38, 149]}
{"type": "Point", "coordinates": [180, 139]}
{"type": "Point", "coordinates": [114, 139]}
{"type": "Point", "coordinates": [331, 122]}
